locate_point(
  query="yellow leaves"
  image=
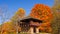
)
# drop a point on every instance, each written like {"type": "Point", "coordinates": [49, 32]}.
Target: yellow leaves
{"type": "Point", "coordinates": [20, 12]}
{"type": "Point", "coordinates": [6, 25]}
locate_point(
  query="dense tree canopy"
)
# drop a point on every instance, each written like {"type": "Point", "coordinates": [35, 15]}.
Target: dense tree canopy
{"type": "Point", "coordinates": [42, 12]}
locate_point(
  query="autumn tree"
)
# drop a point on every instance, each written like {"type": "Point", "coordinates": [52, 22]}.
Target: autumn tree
{"type": "Point", "coordinates": [17, 16]}
{"type": "Point", "coordinates": [7, 28]}
{"type": "Point", "coordinates": [42, 12]}
{"type": "Point", "coordinates": [56, 17]}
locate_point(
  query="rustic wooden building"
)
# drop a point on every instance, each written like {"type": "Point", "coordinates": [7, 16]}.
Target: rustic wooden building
{"type": "Point", "coordinates": [30, 24]}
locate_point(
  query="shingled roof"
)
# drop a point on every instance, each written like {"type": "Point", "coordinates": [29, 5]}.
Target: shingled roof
{"type": "Point", "coordinates": [29, 18]}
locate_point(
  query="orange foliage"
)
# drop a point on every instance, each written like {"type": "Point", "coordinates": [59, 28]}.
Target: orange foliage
{"type": "Point", "coordinates": [9, 27]}
{"type": "Point", "coordinates": [42, 12]}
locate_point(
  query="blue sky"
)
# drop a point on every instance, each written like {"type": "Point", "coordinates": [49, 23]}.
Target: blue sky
{"type": "Point", "coordinates": [9, 7]}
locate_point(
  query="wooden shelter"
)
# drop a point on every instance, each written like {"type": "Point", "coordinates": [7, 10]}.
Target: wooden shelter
{"type": "Point", "coordinates": [30, 24]}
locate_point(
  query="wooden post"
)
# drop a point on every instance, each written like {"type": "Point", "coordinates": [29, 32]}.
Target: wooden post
{"type": "Point", "coordinates": [37, 30]}
{"type": "Point", "coordinates": [31, 30]}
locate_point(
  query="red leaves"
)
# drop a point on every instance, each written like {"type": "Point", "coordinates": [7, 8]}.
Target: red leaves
{"type": "Point", "coordinates": [42, 12]}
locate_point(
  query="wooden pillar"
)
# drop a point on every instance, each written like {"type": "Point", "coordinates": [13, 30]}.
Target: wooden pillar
{"type": "Point", "coordinates": [31, 30]}
{"type": "Point", "coordinates": [37, 30]}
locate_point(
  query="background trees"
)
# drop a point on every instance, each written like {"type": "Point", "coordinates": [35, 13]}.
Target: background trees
{"type": "Point", "coordinates": [7, 27]}
{"type": "Point", "coordinates": [17, 16]}
{"type": "Point", "coordinates": [12, 25]}
{"type": "Point", "coordinates": [56, 17]}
